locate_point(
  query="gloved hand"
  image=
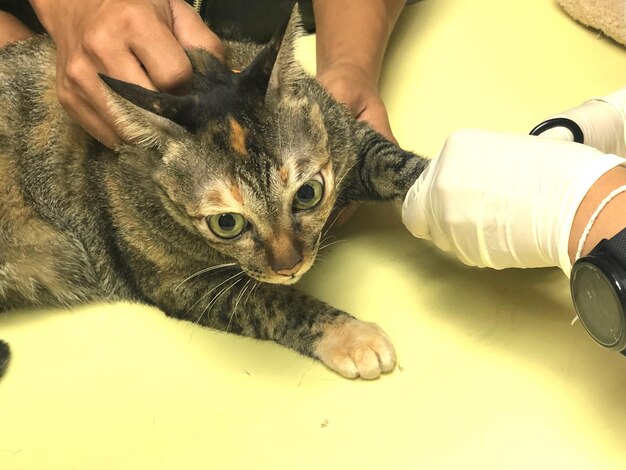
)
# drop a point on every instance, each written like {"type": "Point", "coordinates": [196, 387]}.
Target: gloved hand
{"type": "Point", "coordinates": [602, 120]}
{"type": "Point", "coordinates": [504, 200]}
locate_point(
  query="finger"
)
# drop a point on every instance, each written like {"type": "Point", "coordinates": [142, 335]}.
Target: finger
{"type": "Point", "coordinates": [163, 57]}
{"type": "Point", "coordinates": [126, 67]}
{"type": "Point", "coordinates": [91, 121]}
{"type": "Point", "coordinates": [82, 95]}
{"type": "Point", "coordinates": [191, 31]}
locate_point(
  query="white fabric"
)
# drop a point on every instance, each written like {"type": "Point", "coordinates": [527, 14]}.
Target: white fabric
{"type": "Point", "coordinates": [504, 200]}
{"type": "Point", "coordinates": [602, 120]}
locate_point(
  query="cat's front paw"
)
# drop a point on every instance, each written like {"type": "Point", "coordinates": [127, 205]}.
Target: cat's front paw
{"type": "Point", "coordinates": [356, 349]}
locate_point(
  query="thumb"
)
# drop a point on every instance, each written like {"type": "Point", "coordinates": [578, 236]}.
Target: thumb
{"type": "Point", "coordinates": [415, 206]}
{"type": "Point", "coordinates": [191, 31]}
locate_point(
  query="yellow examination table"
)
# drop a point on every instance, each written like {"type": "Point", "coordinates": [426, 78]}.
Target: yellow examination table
{"type": "Point", "coordinates": [491, 373]}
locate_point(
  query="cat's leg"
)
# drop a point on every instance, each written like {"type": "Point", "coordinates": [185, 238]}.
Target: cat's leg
{"type": "Point", "coordinates": [383, 170]}
{"type": "Point", "coordinates": [351, 347]}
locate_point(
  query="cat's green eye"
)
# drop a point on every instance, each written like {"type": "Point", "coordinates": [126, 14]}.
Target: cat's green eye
{"type": "Point", "coordinates": [309, 195]}
{"type": "Point", "coordinates": [226, 225]}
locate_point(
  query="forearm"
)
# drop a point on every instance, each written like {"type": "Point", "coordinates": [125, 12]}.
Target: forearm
{"type": "Point", "coordinates": [39, 7]}
{"type": "Point", "coordinates": [354, 33]}
{"type": "Point", "coordinates": [12, 29]}
{"type": "Point", "coordinates": [609, 221]}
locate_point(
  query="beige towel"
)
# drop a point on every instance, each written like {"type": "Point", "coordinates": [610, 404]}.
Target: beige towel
{"type": "Point", "coordinates": [609, 16]}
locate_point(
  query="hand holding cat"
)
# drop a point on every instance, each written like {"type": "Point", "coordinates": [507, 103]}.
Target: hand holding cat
{"type": "Point", "coordinates": [504, 200]}
{"type": "Point", "coordinates": [359, 92]}
{"type": "Point", "coordinates": [105, 36]}
{"type": "Point", "coordinates": [352, 37]}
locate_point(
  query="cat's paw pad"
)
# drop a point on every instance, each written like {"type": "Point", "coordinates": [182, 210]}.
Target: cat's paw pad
{"type": "Point", "coordinates": [356, 349]}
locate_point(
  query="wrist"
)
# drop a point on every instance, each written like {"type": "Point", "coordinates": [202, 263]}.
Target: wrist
{"type": "Point", "coordinates": [609, 221]}
{"type": "Point", "coordinates": [348, 70]}
{"type": "Point", "coordinates": [45, 9]}
{"type": "Point", "coordinates": [360, 43]}
{"type": "Point", "coordinates": [12, 29]}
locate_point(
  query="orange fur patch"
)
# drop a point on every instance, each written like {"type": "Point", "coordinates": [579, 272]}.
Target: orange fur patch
{"type": "Point", "coordinates": [234, 190]}
{"type": "Point", "coordinates": [237, 137]}
{"type": "Point", "coordinates": [284, 174]}
{"type": "Point", "coordinates": [214, 197]}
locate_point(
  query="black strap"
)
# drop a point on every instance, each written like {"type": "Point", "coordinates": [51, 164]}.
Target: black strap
{"type": "Point", "coordinates": [616, 246]}
{"type": "Point", "coordinates": [573, 127]}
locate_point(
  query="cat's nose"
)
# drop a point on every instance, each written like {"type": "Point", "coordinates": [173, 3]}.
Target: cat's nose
{"type": "Point", "coordinates": [289, 270]}
{"type": "Point", "coordinates": [285, 254]}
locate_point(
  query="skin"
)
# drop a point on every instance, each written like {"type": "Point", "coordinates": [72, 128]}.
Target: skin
{"type": "Point", "coordinates": [610, 220]}
{"type": "Point", "coordinates": [12, 30]}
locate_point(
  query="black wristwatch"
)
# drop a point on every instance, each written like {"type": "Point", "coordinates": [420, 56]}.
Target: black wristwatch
{"type": "Point", "coordinates": [598, 287]}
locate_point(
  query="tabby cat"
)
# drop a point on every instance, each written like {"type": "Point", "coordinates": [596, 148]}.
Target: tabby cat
{"type": "Point", "coordinates": [223, 193]}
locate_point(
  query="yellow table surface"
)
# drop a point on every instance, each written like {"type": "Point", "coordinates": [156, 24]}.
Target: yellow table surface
{"type": "Point", "coordinates": [492, 375]}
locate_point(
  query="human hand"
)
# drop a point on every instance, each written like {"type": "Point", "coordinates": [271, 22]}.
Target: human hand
{"type": "Point", "coordinates": [138, 41]}
{"type": "Point", "coordinates": [356, 89]}
{"type": "Point", "coordinates": [504, 200]}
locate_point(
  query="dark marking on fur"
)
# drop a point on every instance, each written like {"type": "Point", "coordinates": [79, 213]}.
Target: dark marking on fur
{"type": "Point", "coordinates": [5, 357]}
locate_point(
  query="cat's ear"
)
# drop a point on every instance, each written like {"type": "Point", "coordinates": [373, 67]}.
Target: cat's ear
{"type": "Point", "coordinates": [275, 70]}
{"type": "Point", "coordinates": [146, 117]}
{"type": "Point", "coordinates": [288, 71]}
{"type": "Point", "coordinates": [256, 77]}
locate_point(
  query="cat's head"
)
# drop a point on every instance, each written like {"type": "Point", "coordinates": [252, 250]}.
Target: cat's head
{"type": "Point", "coordinates": [243, 160]}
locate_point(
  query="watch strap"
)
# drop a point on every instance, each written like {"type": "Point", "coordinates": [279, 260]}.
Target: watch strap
{"type": "Point", "coordinates": [616, 246]}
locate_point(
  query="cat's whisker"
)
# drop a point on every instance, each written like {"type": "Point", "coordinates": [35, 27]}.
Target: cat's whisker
{"type": "Point", "coordinates": [217, 297]}
{"type": "Point", "coordinates": [209, 292]}
{"type": "Point", "coordinates": [346, 173]}
{"type": "Point", "coordinates": [256, 288]}
{"type": "Point", "coordinates": [245, 303]}
{"type": "Point", "coordinates": [334, 220]}
{"type": "Point", "coordinates": [205, 270]}
{"type": "Point", "coordinates": [240, 297]}
{"type": "Point", "coordinates": [234, 312]}
{"type": "Point", "coordinates": [326, 239]}
{"type": "Point", "coordinates": [330, 244]}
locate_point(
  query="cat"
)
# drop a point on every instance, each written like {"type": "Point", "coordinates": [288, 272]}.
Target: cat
{"type": "Point", "coordinates": [214, 209]}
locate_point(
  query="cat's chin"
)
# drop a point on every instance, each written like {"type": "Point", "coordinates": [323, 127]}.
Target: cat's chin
{"type": "Point", "coordinates": [284, 280]}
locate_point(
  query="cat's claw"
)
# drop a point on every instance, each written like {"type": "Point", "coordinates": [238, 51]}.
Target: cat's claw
{"type": "Point", "coordinates": [354, 348]}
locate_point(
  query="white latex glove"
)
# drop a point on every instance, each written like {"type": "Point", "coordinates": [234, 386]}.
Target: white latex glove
{"type": "Point", "coordinates": [504, 200]}
{"type": "Point", "coordinates": [602, 120]}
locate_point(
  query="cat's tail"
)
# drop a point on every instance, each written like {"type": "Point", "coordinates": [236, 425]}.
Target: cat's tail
{"type": "Point", "coordinates": [5, 356]}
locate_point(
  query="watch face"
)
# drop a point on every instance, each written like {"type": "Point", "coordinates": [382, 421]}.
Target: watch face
{"type": "Point", "coordinates": [597, 304]}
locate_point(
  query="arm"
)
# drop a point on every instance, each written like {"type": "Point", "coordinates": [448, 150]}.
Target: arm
{"type": "Point", "coordinates": [12, 29]}
{"type": "Point", "coordinates": [504, 200]}
{"type": "Point", "coordinates": [609, 221]}
{"type": "Point", "coordinates": [352, 36]}
{"type": "Point", "coordinates": [507, 200]}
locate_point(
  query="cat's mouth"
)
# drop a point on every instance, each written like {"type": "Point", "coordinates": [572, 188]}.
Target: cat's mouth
{"type": "Point", "coordinates": [274, 278]}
